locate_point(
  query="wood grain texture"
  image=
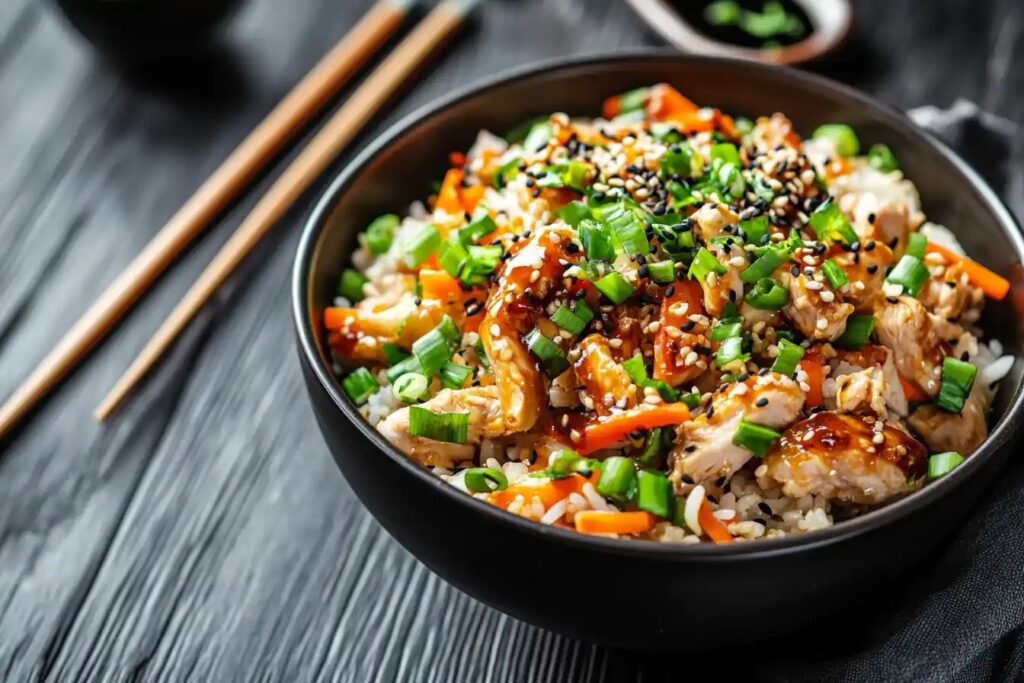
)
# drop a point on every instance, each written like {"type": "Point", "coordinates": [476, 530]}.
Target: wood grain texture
{"type": "Point", "coordinates": [205, 534]}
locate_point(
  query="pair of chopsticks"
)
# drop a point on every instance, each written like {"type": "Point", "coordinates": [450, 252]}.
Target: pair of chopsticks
{"type": "Point", "coordinates": [231, 177]}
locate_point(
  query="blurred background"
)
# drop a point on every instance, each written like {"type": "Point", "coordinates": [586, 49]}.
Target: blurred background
{"type": "Point", "coordinates": [205, 534]}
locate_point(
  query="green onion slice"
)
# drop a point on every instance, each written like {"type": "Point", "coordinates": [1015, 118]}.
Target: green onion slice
{"type": "Point", "coordinates": [657, 443]}
{"type": "Point", "coordinates": [637, 372]}
{"type": "Point", "coordinates": [835, 274]}
{"type": "Point", "coordinates": [957, 380]}
{"type": "Point", "coordinates": [917, 244]}
{"type": "Point", "coordinates": [618, 479]}
{"type": "Point", "coordinates": [419, 244]}
{"type": "Point", "coordinates": [705, 263]}
{"type": "Point", "coordinates": [448, 427]}
{"type": "Point", "coordinates": [552, 359]}
{"type": "Point", "coordinates": [394, 353]}
{"type": "Point", "coordinates": [768, 295]}
{"type": "Point", "coordinates": [597, 239]}
{"type": "Point", "coordinates": [754, 229]}
{"type": "Point", "coordinates": [484, 480]}
{"type": "Point", "coordinates": [454, 376]}
{"type": "Point", "coordinates": [942, 464]}
{"type": "Point", "coordinates": [842, 136]}
{"type": "Point", "coordinates": [858, 331]}
{"type": "Point", "coordinates": [410, 387]}
{"type": "Point", "coordinates": [726, 328]}
{"type": "Point", "coordinates": [882, 158]}
{"type": "Point", "coordinates": [537, 138]}
{"type": "Point", "coordinates": [615, 287]}
{"type": "Point", "coordinates": [626, 225]}
{"type": "Point", "coordinates": [910, 273]}
{"type": "Point", "coordinates": [575, 319]}
{"type": "Point", "coordinates": [351, 284]}
{"type": "Point", "coordinates": [506, 172]}
{"type": "Point", "coordinates": [756, 438]}
{"type": "Point", "coordinates": [381, 232]}
{"type": "Point", "coordinates": [563, 463]}
{"type": "Point", "coordinates": [678, 160]}
{"type": "Point", "coordinates": [654, 493]}
{"type": "Point", "coordinates": [731, 351]}
{"type": "Point", "coordinates": [359, 385]}
{"type": "Point", "coordinates": [407, 365]}
{"type": "Point", "coordinates": [662, 272]}
{"type": "Point", "coordinates": [766, 264]}
{"type": "Point", "coordinates": [788, 358]}
{"type": "Point", "coordinates": [574, 212]}
{"type": "Point", "coordinates": [829, 223]}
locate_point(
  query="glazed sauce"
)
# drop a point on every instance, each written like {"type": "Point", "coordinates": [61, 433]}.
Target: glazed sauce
{"type": "Point", "coordinates": [829, 432]}
{"type": "Point", "coordinates": [747, 23]}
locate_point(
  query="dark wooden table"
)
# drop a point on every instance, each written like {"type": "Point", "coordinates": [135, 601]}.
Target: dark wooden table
{"type": "Point", "coordinates": [205, 534]}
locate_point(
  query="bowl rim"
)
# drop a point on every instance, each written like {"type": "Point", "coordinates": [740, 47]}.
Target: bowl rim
{"type": "Point", "coordinates": [762, 548]}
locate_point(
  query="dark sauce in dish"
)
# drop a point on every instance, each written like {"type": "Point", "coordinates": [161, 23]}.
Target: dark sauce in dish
{"type": "Point", "coordinates": [759, 24]}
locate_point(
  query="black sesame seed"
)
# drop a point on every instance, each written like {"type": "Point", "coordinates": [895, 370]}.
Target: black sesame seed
{"type": "Point", "coordinates": [869, 246]}
{"type": "Point", "coordinates": [417, 301]}
{"type": "Point", "coordinates": [644, 271]}
{"type": "Point", "coordinates": [572, 248]}
{"type": "Point", "coordinates": [687, 326]}
{"type": "Point", "coordinates": [892, 299]}
{"type": "Point", "coordinates": [761, 402]}
{"type": "Point", "coordinates": [581, 294]}
{"type": "Point", "coordinates": [951, 284]}
{"type": "Point", "coordinates": [871, 218]}
{"type": "Point", "coordinates": [686, 478]}
{"type": "Point", "coordinates": [872, 269]}
{"type": "Point", "coordinates": [965, 356]}
{"type": "Point", "coordinates": [764, 507]}
{"type": "Point", "coordinates": [670, 290]}
{"type": "Point", "coordinates": [893, 242]}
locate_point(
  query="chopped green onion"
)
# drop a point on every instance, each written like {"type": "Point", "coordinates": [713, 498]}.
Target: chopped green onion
{"type": "Point", "coordinates": [726, 328]}
{"type": "Point", "coordinates": [632, 100]}
{"type": "Point", "coordinates": [754, 229]}
{"type": "Point", "coordinates": [403, 367]}
{"type": "Point", "coordinates": [665, 132]}
{"type": "Point", "coordinates": [432, 352]}
{"type": "Point", "coordinates": [756, 438]}
{"type": "Point", "coordinates": [506, 172]}
{"type": "Point", "coordinates": [835, 274]}
{"type": "Point", "coordinates": [858, 331]}
{"type": "Point", "coordinates": [882, 158]}
{"type": "Point", "coordinates": [618, 479]}
{"type": "Point", "coordinates": [678, 160]}
{"type": "Point", "coordinates": [394, 353]}
{"type": "Point", "coordinates": [627, 227]}
{"type": "Point", "coordinates": [574, 212]}
{"type": "Point", "coordinates": [722, 13]}
{"type": "Point", "coordinates": [692, 400]}
{"type": "Point", "coordinates": [552, 359]}
{"type": "Point", "coordinates": [537, 138]}
{"type": "Point", "coordinates": [727, 153]}
{"type": "Point", "coordinates": [656, 445]}
{"type": "Point", "coordinates": [765, 265]}
{"type": "Point", "coordinates": [910, 273]}
{"type": "Point", "coordinates": [662, 272]}
{"type": "Point", "coordinates": [788, 358]}
{"type": "Point", "coordinates": [454, 376]}
{"type": "Point", "coordinates": [730, 351]}
{"type": "Point", "coordinates": [653, 493]}
{"type": "Point", "coordinates": [573, 320]}
{"type": "Point", "coordinates": [450, 331]}
{"type": "Point", "coordinates": [480, 225]}
{"type": "Point", "coordinates": [767, 295]}
{"type": "Point", "coordinates": [351, 284]}
{"type": "Point", "coordinates": [419, 244]}
{"type": "Point", "coordinates": [481, 263]}
{"type": "Point", "coordinates": [731, 180]}
{"type": "Point", "coordinates": [615, 287]}
{"type": "Point", "coordinates": [410, 387]}
{"type": "Point", "coordinates": [452, 256]}
{"type": "Point", "coordinates": [942, 464]}
{"type": "Point", "coordinates": [564, 463]}
{"type": "Point", "coordinates": [484, 480]}
{"type": "Point", "coordinates": [448, 427]}
{"type": "Point", "coordinates": [637, 372]}
{"type": "Point", "coordinates": [598, 243]}
{"type": "Point", "coordinates": [381, 232]}
{"type": "Point", "coordinates": [481, 353]}
{"type": "Point", "coordinates": [829, 223]}
{"type": "Point", "coordinates": [788, 335]}
{"type": "Point", "coordinates": [359, 385]}
{"type": "Point", "coordinates": [842, 136]}
{"type": "Point", "coordinates": [705, 263]}
{"type": "Point", "coordinates": [917, 244]}
{"type": "Point", "coordinates": [957, 380]}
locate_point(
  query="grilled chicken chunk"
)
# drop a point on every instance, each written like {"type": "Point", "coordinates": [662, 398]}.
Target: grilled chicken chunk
{"type": "Point", "coordinates": [944, 431]}
{"type": "Point", "coordinates": [917, 350]}
{"type": "Point", "coordinates": [721, 289]}
{"type": "Point", "coordinates": [711, 218]}
{"type": "Point", "coordinates": [872, 357]}
{"type": "Point", "coordinates": [603, 379]}
{"type": "Point", "coordinates": [843, 457]}
{"type": "Point", "coordinates": [486, 420]}
{"type": "Point", "coordinates": [815, 309]}
{"type": "Point", "coordinates": [949, 295]}
{"type": "Point", "coordinates": [683, 328]}
{"type": "Point", "coordinates": [862, 391]}
{"type": "Point", "coordinates": [865, 270]}
{"type": "Point", "coordinates": [705, 450]}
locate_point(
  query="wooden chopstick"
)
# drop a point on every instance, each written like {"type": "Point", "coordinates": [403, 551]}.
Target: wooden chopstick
{"type": "Point", "coordinates": [368, 98]}
{"type": "Point", "coordinates": [308, 96]}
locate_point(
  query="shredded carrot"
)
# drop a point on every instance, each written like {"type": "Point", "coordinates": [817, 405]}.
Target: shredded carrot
{"type": "Point", "coordinates": [335, 317]}
{"type": "Point", "coordinates": [994, 286]}
{"type": "Point", "coordinates": [839, 166]}
{"type": "Point", "coordinates": [471, 196]}
{"type": "Point", "coordinates": [439, 285]}
{"type": "Point", "coordinates": [448, 196]}
{"type": "Point", "coordinates": [711, 525]}
{"type": "Point", "coordinates": [667, 347]}
{"type": "Point", "coordinates": [665, 102]}
{"type": "Point", "coordinates": [815, 378]}
{"type": "Point", "coordinates": [645, 416]}
{"type": "Point", "coordinates": [911, 390]}
{"type": "Point", "coordinates": [549, 493]}
{"type": "Point", "coordinates": [607, 522]}
{"type": "Point", "coordinates": [457, 158]}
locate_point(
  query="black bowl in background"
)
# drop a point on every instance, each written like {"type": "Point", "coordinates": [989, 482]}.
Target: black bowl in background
{"type": "Point", "coordinates": [641, 594]}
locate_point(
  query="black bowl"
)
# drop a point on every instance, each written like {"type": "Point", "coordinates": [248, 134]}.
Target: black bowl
{"type": "Point", "coordinates": [635, 593]}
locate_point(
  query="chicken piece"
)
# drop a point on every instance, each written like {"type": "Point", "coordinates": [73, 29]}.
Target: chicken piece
{"type": "Point", "coordinates": [814, 308]}
{"type": "Point", "coordinates": [904, 327]}
{"type": "Point", "coordinates": [873, 356]}
{"type": "Point", "coordinates": [370, 325]}
{"type": "Point", "coordinates": [603, 380]}
{"type": "Point", "coordinates": [862, 391]}
{"type": "Point", "coordinates": [892, 226]}
{"type": "Point", "coordinates": [721, 289]}
{"type": "Point", "coordinates": [865, 269]}
{"type": "Point", "coordinates": [843, 457]}
{"type": "Point", "coordinates": [769, 133]}
{"type": "Point", "coordinates": [950, 296]}
{"type": "Point", "coordinates": [711, 218]}
{"type": "Point", "coordinates": [513, 306]}
{"type": "Point", "coordinates": [944, 431]}
{"type": "Point", "coordinates": [705, 451]}
{"type": "Point", "coordinates": [486, 420]}
{"type": "Point", "coordinates": [881, 207]}
{"type": "Point", "coordinates": [682, 327]}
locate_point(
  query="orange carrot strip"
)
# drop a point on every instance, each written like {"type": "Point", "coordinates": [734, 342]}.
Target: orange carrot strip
{"type": "Point", "coordinates": [471, 196]}
{"type": "Point", "coordinates": [334, 317]}
{"type": "Point", "coordinates": [448, 196]}
{"type": "Point", "coordinates": [911, 390]}
{"type": "Point", "coordinates": [605, 522]}
{"type": "Point", "coordinates": [815, 378]}
{"type": "Point", "coordinates": [439, 285]}
{"type": "Point", "coordinates": [665, 102]}
{"type": "Point", "coordinates": [711, 525]}
{"type": "Point", "coordinates": [550, 492]}
{"type": "Point", "coordinates": [994, 286]}
{"type": "Point", "coordinates": [457, 159]}
{"type": "Point", "coordinates": [645, 416]}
